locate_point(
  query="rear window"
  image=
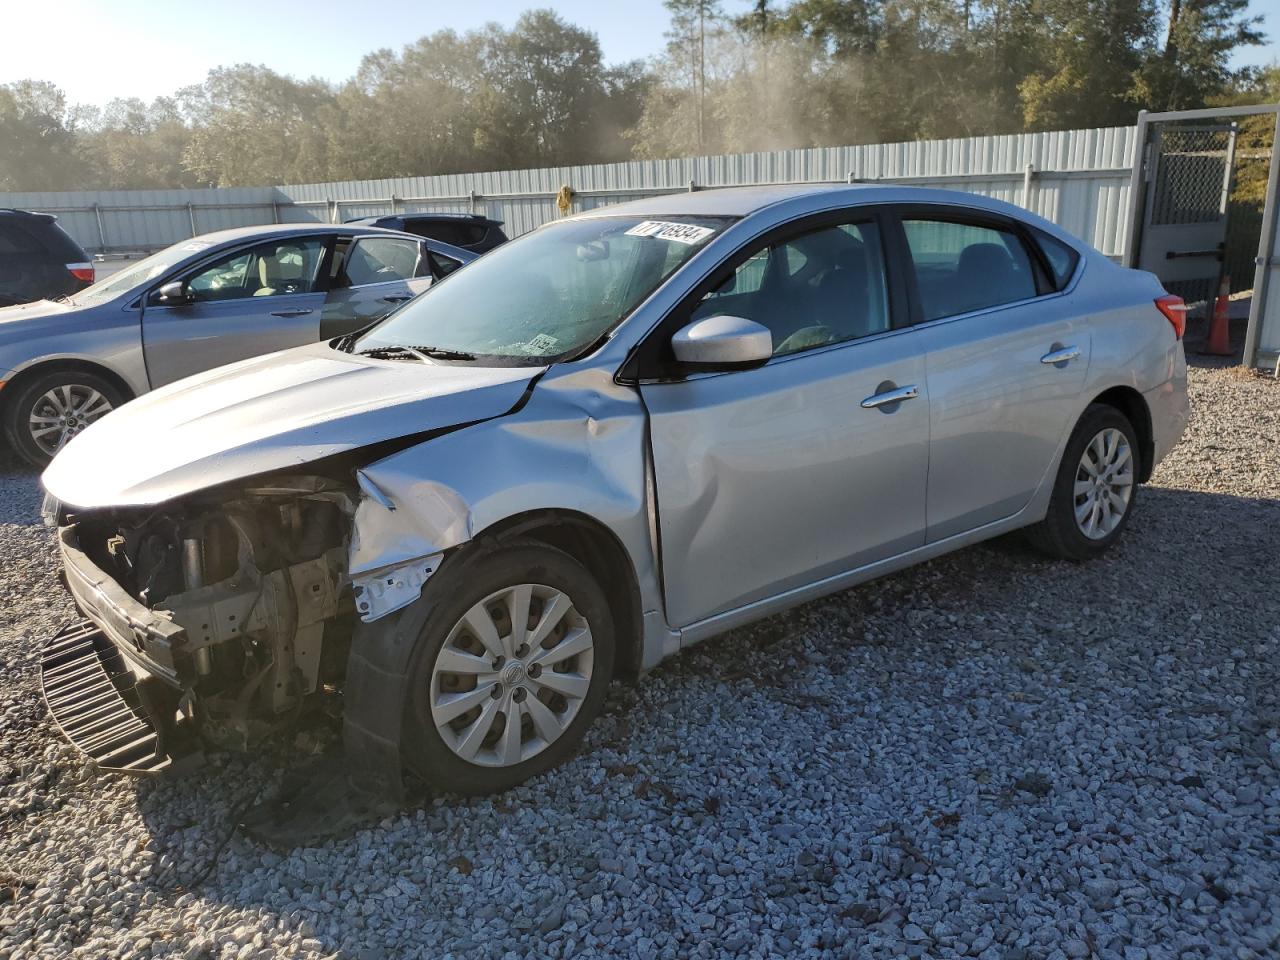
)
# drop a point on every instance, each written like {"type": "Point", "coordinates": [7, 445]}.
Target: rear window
{"type": "Point", "coordinates": [1062, 259]}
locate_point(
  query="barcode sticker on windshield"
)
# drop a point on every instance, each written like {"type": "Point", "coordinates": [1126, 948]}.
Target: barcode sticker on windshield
{"type": "Point", "coordinates": [667, 230]}
{"type": "Point", "coordinates": [543, 343]}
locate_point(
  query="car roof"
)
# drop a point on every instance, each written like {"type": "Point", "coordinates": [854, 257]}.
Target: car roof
{"type": "Point", "coordinates": [744, 201]}
{"type": "Point", "coordinates": [430, 215]}
{"type": "Point", "coordinates": [27, 215]}
{"type": "Point", "coordinates": [266, 231]}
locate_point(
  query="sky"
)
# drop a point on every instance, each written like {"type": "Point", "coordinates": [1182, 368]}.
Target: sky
{"type": "Point", "coordinates": [97, 51]}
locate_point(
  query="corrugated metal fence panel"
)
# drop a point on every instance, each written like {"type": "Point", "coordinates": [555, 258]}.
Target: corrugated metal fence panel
{"type": "Point", "coordinates": [1081, 181]}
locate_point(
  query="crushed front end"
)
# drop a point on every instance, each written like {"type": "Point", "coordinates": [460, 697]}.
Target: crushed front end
{"type": "Point", "coordinates": [212, 619]}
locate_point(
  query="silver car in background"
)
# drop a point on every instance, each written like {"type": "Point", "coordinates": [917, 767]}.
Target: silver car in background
{"type": "Point", "coordinates": [606, 440]}
{"type": "Point", "coordinates": [203, 302]}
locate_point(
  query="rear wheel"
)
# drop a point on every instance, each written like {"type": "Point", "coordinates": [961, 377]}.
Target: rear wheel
{"type": "Point", "coordinates": [47, 411]}
{"type": "Point", "coordinates": [1094, 493]}
{"type": "Point", "coordinates": [512, 661]}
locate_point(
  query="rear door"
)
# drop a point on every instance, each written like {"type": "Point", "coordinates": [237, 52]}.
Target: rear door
{"type": "Point", "coordinates": [371, 276]}
{"type": "Point", "coordinates": [1007, 358]}
{"type": "Point", "coordinates": [244, 303]}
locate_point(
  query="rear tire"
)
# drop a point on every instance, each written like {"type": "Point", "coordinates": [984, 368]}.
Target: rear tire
{"type": "Point", "coordinates": [476, 751]}
{"type": "Point", "coordinates": [1096, 488]}
{"type": "Point", "coordinates": [46, 411]}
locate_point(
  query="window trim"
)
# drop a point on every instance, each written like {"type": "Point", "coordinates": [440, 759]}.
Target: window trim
{"type": "Point", "coordinates": [973, 216]}
{"type": "Point", "coordinates": [646, 364]}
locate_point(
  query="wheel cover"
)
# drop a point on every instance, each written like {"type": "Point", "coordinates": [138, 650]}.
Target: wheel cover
{"type": "Point", "coordinates": [1103, 484]}
{"type": "Point", "coordinates": [512, 675]}
{"type": "Point", "coordinates": [63, 411]}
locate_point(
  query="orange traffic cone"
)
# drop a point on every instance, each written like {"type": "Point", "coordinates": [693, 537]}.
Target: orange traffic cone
{"type": "Point", "coordinates": [1219, 340]}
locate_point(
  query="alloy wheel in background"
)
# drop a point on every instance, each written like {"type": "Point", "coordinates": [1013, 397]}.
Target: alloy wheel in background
{"type": "Point", "coordinates": [63, 411]}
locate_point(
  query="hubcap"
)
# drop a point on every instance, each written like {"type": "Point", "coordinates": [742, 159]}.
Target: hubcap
{"type": "Point", "coordinates": [512, 675]}
{"type": "Point", "coordinates": [61, 413]}
{"type": "Point", "coordinates": [1104, 483]}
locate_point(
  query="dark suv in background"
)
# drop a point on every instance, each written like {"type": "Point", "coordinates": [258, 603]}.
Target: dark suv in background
{"type": "Point", "coordinates": [470, 231]}
{"type": "Point", "coordinates": [38, 259]}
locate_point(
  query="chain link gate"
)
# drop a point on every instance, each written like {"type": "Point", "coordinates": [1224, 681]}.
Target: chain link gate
{"type": "Point", "coordinates": [1184, 233]}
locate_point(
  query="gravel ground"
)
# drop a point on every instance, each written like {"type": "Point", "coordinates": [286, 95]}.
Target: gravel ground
{"type": "Point", "coordinates": [991, 755]}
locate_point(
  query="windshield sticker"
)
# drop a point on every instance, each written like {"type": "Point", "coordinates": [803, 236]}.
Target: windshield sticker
{"type": "Point", "coordinates": [685, 233]}
{"type": "Point", "coordinates": [543, 343]}
{"type": "Point", "coordinates": [196, 245]}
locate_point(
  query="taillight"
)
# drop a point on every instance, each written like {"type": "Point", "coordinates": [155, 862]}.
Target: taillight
{"type": "Point", "coordinates": [81, 271]}
{"type": "Point", "coordinates": [1175, 311]}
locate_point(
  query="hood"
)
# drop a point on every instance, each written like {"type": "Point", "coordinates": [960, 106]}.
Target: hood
{"type": "Point", "coordinates": [284, 409]}
{"type": "Point", "coordinates": [39, 310]}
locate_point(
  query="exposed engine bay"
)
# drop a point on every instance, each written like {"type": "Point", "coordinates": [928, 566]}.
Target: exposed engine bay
{"type": "Point", "coordinates": [256, 579]}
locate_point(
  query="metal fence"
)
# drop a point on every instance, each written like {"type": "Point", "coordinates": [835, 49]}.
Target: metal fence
{"type": "Point", "coordinates": [1076, 178]}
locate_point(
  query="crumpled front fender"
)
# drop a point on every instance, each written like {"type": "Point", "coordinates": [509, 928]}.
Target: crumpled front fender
{"type": "Point", "coordinates": [578, 445]}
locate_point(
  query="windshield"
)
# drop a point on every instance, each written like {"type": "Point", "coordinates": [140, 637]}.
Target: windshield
{"type": "Point", "coordinates": [547, 295]}
{"type": "Point", "coordinates": [136, 274]}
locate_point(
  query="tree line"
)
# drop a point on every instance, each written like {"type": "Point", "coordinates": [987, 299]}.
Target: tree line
{"type": "Point", "coordinates": [771, 74]}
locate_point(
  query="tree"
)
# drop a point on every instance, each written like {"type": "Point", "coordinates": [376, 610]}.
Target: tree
{"type": "Point", "coordinates": [252, 125]}
{"type": "Point", "coordinates": [1093, 54]}
{"type": "Point", "coordinates": [1195, 62]}
{"type": "Point", "coordinates": [37, 143]}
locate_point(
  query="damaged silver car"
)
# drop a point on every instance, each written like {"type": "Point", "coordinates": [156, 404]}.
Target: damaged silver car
{"type": "Point", "coordinates": [613, 437]}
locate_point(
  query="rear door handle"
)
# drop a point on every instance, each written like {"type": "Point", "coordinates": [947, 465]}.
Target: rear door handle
{"type": "Point", "coordinates": [1061, 356]}
{"type": "Point", "coordinates": [896, 395]}
{"type": "Point", "coordinates": [289, 313]}
{"type": "Point", "coordinates": [400, 298]}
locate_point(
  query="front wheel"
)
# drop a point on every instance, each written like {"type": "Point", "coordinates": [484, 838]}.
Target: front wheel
{"type": "Point", "coordinates": [1094, 493]}
{"type": "Point", "coordinates": [46, 412]}
{"type": "Point", "coordinates": [513, 657]}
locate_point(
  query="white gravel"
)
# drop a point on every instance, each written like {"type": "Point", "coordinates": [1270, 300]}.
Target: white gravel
{"type": "Point", "coordinates": [992, 755]}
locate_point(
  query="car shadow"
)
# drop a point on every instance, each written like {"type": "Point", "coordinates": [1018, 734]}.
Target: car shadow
{"type": "Point", "coordinates": [680, 750]}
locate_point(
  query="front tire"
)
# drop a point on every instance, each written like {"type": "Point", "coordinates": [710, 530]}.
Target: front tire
{"type": "Point", "coordinates": [47, 411]}
{"type": "Point", "coordinates": [1095, 490]}
{"type": "Point", "coordinates": [513, 655]}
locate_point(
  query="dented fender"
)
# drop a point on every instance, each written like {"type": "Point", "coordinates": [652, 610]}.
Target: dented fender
{"type": "Point", "coordinates": [579, 444]}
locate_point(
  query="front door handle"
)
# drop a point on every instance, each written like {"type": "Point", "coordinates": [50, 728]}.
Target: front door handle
{"type": "Point", "coordinates": [1061, 355]}
{"type": "Point", "coordinates": [401, 298]}
{"type": "Point", "coordinates": [890, 395]}
{"type": "Point", "coordinates": [289, 313]}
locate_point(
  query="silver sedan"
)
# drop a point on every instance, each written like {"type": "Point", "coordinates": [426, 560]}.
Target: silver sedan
{"type": "Point", "coordinates": [195, 305]}
{"type": "Point", "coordinates": [611, 438]}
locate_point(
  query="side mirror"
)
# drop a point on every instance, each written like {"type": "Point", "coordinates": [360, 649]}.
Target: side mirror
{"type": "Point", "coordinates": [723, 342]}
{"type": "Point", "coordinates": [173, 293]}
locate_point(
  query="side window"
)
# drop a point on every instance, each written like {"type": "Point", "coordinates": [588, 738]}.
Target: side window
{"type": "Point", "coordinates": [442, 265]}
{"type": "Point", "coordinates": [273, 269]}
{"type": "Point", "coordinates": [962, 267]}
{"type": "Point", "coordinates": [435, 230]}
{"type": "Point", "coordinates": [381, 260]}
{"type": "Point", "coordinates": [822, 287]}
{"type": "Point", "coordinates": [1062, 258]}
{"type": "Point", "coordinates": [13, 239]}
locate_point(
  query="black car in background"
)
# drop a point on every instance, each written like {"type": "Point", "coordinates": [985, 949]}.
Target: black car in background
{"type": "Point", "coordinates": [470, 231]}
{"type": "Point", "coordinates": [38, 259]}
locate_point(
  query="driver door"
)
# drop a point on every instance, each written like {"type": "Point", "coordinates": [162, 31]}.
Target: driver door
{"type": "Point", "coordinates": [251, 301]}
{"type": "Point", "coordinates": [773, 478]}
